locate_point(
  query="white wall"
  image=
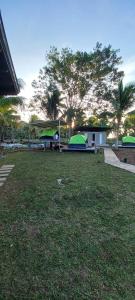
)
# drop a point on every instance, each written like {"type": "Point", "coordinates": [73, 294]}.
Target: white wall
{"type": "Point", "coordinates": [100, 137]}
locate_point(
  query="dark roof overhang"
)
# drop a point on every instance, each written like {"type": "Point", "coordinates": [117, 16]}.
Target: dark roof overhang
{"type": "Point", "coordinates": [132, 112]}
{"type": "Point", "coordinates": [92, 128]}
{"type": "Point", "coordinates": [8, 80]}
{"type": "Point", "coordinates": [48, 124]}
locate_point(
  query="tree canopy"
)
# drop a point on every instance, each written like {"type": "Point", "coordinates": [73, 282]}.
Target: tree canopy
{"type": "Point", "coordinates": [81, 77]}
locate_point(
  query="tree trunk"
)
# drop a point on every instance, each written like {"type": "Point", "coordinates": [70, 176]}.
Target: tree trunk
{"type": "Point", "coordinates": [118, 130]}
{"type": "Point", "coordinates": [69, 129]}
{"type": "Point", "coordinates": [2, 134]}
{"type": "Point", "coordinates": [12, 134]}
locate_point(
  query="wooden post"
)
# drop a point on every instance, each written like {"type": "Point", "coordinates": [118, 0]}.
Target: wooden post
{"type": "Point", "coordinates": [59, 136]}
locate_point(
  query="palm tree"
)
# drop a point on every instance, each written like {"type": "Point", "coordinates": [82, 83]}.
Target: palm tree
{"type": "Point", "coordinates": [122, 99]}
{"type": "Point", "coordinates": [8, 113]}
{"type": "Point", "coordinates": [8, 118]}
{"type": "Point", "coordinates": [53, 104]}
{"type": "Point", "coordinates": [129, 124]}
{"type": "Point", "coordinates": [11, 101]}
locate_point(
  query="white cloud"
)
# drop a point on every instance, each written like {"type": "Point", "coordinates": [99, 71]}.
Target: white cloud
{"type": "Point", "coordinates": [129, 70]}
{"type": "Point", "coordinates": [27, 92]}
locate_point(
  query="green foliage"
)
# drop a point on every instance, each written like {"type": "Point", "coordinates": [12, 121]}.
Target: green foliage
{"type": "Point", "coordinates": [106, 118]}
{"type": "Point", "coordinates": [129, 124]}
{"type": "Point", "coordinates": [79, 74]}
{"type": "Point", "coordinates": [100, 120]}
{"type": "Point", "coordinates": [8, 113]}
{"type": "Point", "coordinates": [80, 117]}
{"type": "Point", "coordinates": [8, 102]}
{"type": "Point", "coordinates": [121, 99]}
{"type": "Point", "coordinates": [33, 118]}
{"type": "Point", "coordinates": [69, 114]}
{"type": "Point", "coordinates": [31, 132]}
{"type": "Point", "coordinates": [124, 98]}
{"type": "Point", "coordinates": [49, 101]}
{"type": "Point", "coordinates": [93, 121]}
{"type": "Point", "coordinates": [8, 119]}
{"type": "Point", "coordinates": [53, 103]}
{"type": "Point", "coordinates": [76, 116]}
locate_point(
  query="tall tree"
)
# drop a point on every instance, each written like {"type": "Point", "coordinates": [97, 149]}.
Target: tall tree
{"type": "Point", "coordinates": [49, 101]}
{"type": "Point", "coordinates": [80, 76]}
{"type": "Point", "coordinates": [53, 103]}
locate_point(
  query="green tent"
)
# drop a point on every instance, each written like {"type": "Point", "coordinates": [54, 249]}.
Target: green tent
{"type": "Point", "coordinates": [48, 133]}
{"type": "Point", "coordinates": [78, 139]}
{"type": "Point", "coordinates": [128, 139]}
{"type": "Point", "coordinates": [50, 124]}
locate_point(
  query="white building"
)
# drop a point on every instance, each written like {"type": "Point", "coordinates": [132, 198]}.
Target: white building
{"type": "Point", "coordinates": [96, 135]}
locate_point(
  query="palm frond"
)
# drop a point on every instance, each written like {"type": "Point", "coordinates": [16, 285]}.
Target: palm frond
{"type": "Point", "coordinates": [11, 101]}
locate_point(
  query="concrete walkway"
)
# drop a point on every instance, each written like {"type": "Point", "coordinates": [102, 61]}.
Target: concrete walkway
{"type": "Point", "coordinates": [111, 159]}
{"type": "Point", "coordinates": [4, 172]}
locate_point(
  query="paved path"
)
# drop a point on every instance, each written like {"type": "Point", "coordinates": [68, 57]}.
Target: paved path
{"type": "Point", "coordinates": [4, 172]}
{"type": "Point", "coordinates": [112, 159]}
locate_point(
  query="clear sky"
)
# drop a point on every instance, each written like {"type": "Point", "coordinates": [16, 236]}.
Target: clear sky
{"type": "Point", "coordinates": [32, 26]}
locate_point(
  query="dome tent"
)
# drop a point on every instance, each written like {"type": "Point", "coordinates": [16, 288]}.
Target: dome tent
{"type": "Point", "coordinates": [50, 124]}
{"type": "Point", "coordinates": [77, 141]}
{"type": "Point", "coordinates": [130, 140]}
{"type": "Point", "coordinates": [49, 134]}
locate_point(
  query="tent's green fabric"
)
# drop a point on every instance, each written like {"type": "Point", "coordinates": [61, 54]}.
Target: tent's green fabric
{"type": "Point", "coordinates": [78, 139]}
{"type": "Point", "coordinates": [48, 132]}
{"type": "Point", "coordinates": [128, 139]}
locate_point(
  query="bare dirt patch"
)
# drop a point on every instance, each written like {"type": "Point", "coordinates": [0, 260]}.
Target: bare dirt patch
{"type": "Point", "coordinates": [126, 155]}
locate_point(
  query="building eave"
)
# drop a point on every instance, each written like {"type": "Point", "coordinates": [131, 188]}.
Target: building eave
{"type": "Point", "coordinates": [8, 80]}
{"type": "Point", "coordinates": [92, 128]}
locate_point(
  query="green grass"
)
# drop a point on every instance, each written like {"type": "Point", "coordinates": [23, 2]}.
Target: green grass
{"type": "Point", "coordinates": [70, 241]}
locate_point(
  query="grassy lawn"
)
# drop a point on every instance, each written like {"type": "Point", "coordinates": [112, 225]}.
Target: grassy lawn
{"type": "Point", "coordinates": [70, 241]}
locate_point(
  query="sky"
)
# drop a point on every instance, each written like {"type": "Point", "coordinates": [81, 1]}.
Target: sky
{"type": "Point", "coordinates": [33, 26]}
